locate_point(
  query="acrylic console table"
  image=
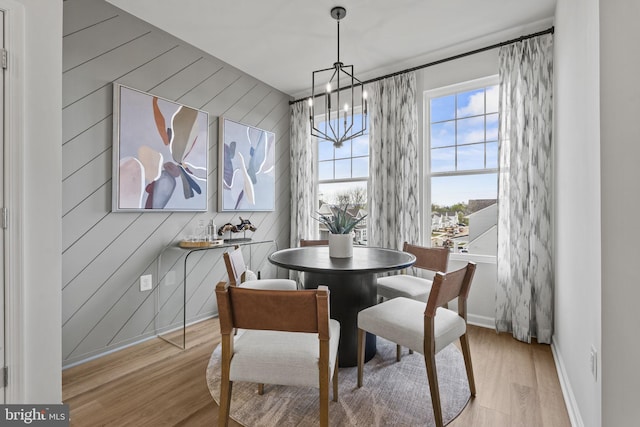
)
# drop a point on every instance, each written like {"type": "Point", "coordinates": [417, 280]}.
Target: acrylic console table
{"type": "Point", "coordinates": [187, 279]}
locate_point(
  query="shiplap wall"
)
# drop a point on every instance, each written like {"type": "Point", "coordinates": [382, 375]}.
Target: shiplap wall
{"type": "Point", "coordinates": [105, 253]}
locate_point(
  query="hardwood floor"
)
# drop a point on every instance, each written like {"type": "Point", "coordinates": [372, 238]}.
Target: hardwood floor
{"type": "Point", "coordinates": [157, 384]}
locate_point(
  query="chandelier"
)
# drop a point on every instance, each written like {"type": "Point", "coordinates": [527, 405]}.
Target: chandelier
{"type": "Point", "coordinates": [339, 95]}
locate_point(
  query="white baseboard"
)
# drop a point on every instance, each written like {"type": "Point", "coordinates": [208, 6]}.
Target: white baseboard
{"type": "Point", "coordinates": [565, 385]}
{"type": "Point", "coordinates": [70, 363]}
{"type": "Point", "coordinates": [482, 321]}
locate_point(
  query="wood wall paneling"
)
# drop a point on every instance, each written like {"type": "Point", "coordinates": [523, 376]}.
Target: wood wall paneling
{"type": "Point", "coordinates": [105, 253]}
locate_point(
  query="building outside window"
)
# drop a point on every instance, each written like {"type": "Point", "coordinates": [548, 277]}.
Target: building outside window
{"type": "Point", "coordinates": [461, 178]}
{"type": "Point", "coordinates": [342, 177]}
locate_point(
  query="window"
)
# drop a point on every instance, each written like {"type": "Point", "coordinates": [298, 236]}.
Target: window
{"type": "Point", "coordinates": [462, 166]}
{"type": "Point", "coordinates": [343, 174]}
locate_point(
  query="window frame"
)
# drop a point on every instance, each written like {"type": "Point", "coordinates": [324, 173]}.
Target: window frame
{"type": "Point", "coordinates": [320, 117]}
{"type": "Point", "coordinates": [429, 94]}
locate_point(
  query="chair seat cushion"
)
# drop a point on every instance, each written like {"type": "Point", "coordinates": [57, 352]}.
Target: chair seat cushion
{"type": "Point", "coordinates": [401, 320]}
{"type": "Point", "coordinates": [272, 284]}
{"type": "Point", "coordinates": [284, 358]}
{"type": "Point", "coordinates": [403, 285]}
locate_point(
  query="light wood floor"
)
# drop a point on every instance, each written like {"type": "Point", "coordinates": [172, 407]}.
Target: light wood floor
{"type": "Point", "coordinates": [157, 384]}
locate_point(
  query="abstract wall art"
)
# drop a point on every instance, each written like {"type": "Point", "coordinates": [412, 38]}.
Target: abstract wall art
{"type": "Point", "coordinates": [247, 168]}
{"type": "Point", "coordinates": [160, 153]}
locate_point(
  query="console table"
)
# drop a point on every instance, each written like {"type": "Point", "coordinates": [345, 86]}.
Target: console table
{"type": "Point", "coordinates": [177, 265]}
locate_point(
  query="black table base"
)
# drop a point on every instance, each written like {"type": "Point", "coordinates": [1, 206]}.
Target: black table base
{"type": "Point", "coordinates": [349, 293]}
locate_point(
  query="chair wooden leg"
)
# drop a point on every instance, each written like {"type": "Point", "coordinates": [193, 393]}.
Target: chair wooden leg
{"type": "Point", "coordinates": [466, 352]}
{"type": "Point", "coordinates": [260, 389]}
{"type": "Point", "coordinates": [225, 401]}
{"type": "Point", "coordinates": [324, 402]}
{"type": "Point", "coordinates": [398, 352]}
{"type": "Point", "coordinates": [361, 343]}
{"type": "Point", "coordinates": [430, 361]}
{"type": "Point", "coordinates": [324, 373]}
{"type": "Point", "coordinates": [335, 381]}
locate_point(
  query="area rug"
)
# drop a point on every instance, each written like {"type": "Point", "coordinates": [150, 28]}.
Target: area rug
{"type": "Point", "coordinates": [393, 393]}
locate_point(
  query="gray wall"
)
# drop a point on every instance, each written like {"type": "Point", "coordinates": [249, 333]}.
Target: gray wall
{"type": "Point", "coordinates": [577, 203]}
{"type": "Point", "coordinates": [619, 154]}
{"type": "Point", "coordinates": [104, 253]}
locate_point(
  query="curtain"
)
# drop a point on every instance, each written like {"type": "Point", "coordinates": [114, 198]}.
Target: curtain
{"type": "Point", "coordinates": [393, 193]}
{"type": "Point", "coordinates": [524, 297]}
{"type": "Point", "coordinates": [303, 178]}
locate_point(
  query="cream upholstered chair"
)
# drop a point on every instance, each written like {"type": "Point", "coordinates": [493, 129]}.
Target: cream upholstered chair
{"type": "Point", "coordinates": [307, 242]}
{"type": "Point", "coordinates": [240, 276]}
{"type": "Point", "coordinates": [409, 286]}
{"type": "Point", "coordinates": [287, 338]}
{"type": "Point", "coordinates": [425, 328]}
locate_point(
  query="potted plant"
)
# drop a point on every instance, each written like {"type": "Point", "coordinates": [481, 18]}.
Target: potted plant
{"type": "Point", "coordinates": [340, 225]}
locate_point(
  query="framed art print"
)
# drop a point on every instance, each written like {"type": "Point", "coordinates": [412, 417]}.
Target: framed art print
{"type": "Point", "coordinates": [160, 153]}
{"type": "Point", "coordinates": [246, 169]}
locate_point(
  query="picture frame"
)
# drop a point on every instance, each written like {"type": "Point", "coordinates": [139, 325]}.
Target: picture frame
{"type": "Point", "coordinates": [160, 154]}
{"type": "Point", "coordinates": [246, 178]}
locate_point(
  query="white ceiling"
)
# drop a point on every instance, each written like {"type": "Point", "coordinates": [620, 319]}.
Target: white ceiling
{"type": "Point", "coordinates": [280, 42]}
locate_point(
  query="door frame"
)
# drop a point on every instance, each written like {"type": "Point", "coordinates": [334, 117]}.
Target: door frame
{"type": "Point", "coordinates": [14, 41]}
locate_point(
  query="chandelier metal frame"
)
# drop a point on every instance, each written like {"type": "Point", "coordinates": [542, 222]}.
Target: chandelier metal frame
{"type": "Point", "coordinates": [331, 97]}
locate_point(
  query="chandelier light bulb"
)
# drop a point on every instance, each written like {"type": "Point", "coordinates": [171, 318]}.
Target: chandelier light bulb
{"type": "Point", "coordinates": [346, 108]}
{"type": "Point", "coordinates": [310, 102]}
{"type": "Point", "coordinates": [328, 87]}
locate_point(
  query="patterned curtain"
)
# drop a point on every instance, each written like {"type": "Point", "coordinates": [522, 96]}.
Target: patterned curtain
{"type": "Point", "coordinates": [393, 194]}
{"type": "Point", "coordinates": [524, 298]}
{"type": "Point", "coordinates": [303, 178]}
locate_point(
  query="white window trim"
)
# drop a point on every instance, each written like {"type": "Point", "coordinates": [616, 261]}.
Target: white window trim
{"type": "Point", "coordinates": [436, 93]}
{"type": "Point", "coordinates": [316, 140]}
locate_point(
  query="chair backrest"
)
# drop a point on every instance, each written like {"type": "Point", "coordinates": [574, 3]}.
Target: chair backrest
{"type": "Point", "coordinates": [305, 242]}
{"type": "Point", "coordinates": [449, 286]}
{"type": "Point", "coordinates": [433, 259]}
{"type": "Point", "coordinates": [236, 268]}
{"type": "Point", "coordinates": [274, 310]}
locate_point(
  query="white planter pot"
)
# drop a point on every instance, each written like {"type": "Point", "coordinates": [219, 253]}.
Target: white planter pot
{"type": "Point", "coordinates": [340, 245]}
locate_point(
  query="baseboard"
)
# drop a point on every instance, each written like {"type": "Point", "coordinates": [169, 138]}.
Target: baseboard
{"type": "Point", "coordinates": [482, 321]}
{"type": "Point", "coordinates": [87, 357]}
{"type": "Point", "coordinates": [565, 385]}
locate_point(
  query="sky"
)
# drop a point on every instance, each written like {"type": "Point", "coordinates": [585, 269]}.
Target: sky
{"type": "Point", "coordinates": [464, 137]}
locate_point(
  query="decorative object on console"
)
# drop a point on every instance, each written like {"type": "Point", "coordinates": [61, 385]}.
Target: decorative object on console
{"type": "Point", "coordinates": [160, 152]}
{"type": "Point", "coordinates": [332, 81]}
{"type": "Point", "coordinates": [340, 225]}
{"type": "Point", "coordinates": [245, 225]}
{"type": "Point", "coordinates": [246, 169]}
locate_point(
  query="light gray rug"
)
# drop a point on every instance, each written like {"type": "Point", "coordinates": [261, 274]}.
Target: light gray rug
{"type": "Point", "coordinates": [393, 393]}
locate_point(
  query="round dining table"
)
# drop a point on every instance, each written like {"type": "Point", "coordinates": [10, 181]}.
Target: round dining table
{"type": "Point", "coordinates": [352, 286]}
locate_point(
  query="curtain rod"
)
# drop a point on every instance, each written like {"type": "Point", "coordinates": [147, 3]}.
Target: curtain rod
{"type": "Point", "coordinates": [451, 58]}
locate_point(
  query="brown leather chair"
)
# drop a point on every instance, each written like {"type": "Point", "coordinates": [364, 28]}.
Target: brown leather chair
{"type": "Point", "coordinates": [266, 350]}
{"type": "Point", "coordinates": [410, 286]}
{"type": "Point", "coordinates": [424, 327]}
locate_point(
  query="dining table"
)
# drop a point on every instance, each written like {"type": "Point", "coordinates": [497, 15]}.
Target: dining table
{"type": "Point", "coordinates": [352, 286]}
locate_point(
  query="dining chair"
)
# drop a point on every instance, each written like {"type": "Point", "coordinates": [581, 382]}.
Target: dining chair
{"type": "Point", "coordinates": [308, 242]}
{"type": "Point", "coordinates": [410, 286]}
{"type": "Point", "coordinates": [240, 276]}
{"type": "Point", "coordinates": [286, 338]}
{"type": "Point", "coordinates": [423, 327]}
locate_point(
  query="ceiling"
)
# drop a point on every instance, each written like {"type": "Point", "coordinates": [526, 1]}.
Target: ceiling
{"type": "Point", "coordinates": [280, 42]}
